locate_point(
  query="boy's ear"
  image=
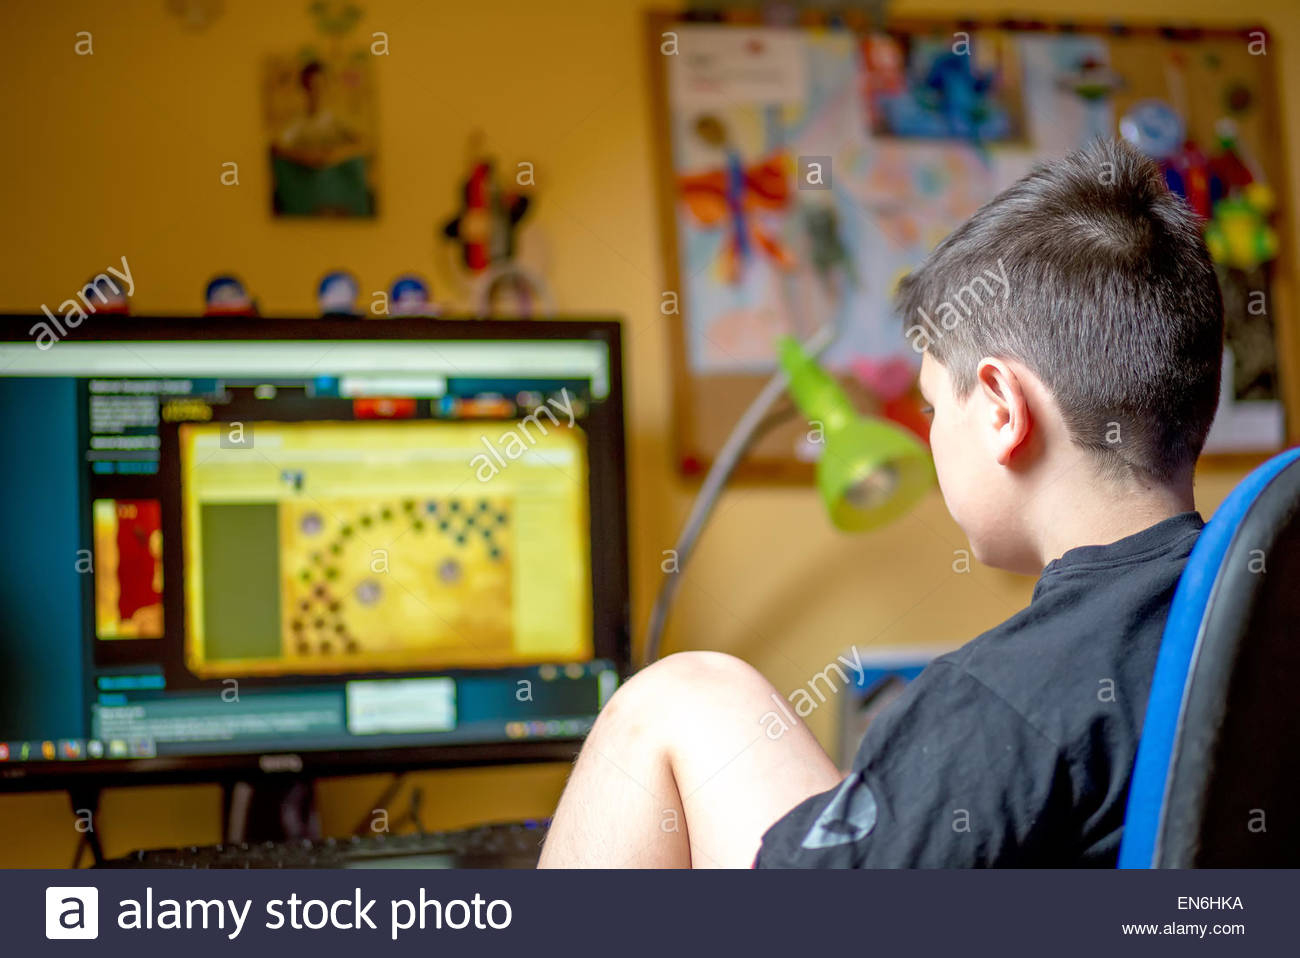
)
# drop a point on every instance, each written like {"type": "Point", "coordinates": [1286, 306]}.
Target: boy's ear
{"type": "Point", "coordinates": [1007, 408]}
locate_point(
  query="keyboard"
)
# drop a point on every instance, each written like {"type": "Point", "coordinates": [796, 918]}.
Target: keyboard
{"type": "Point", "coordinates": [499, 845]}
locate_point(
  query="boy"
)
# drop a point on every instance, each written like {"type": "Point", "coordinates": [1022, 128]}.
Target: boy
{"type": "Point", "coordinates": [1067, 416]}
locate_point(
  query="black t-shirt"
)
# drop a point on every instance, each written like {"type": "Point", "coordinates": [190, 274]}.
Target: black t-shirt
{"type": "Point", "coordinates": [1016, 749]}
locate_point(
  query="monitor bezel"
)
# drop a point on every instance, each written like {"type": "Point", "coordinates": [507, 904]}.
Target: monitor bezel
{"type": "Point", "coordinates": [609, 548]}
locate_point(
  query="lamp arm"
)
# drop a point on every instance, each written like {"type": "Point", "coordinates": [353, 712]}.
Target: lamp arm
{"type": "Point", "coordinates": [742, 436]}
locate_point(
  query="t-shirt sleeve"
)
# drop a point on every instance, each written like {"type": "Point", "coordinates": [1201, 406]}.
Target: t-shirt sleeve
{"type": "Point", "coordinates": [948, 776]}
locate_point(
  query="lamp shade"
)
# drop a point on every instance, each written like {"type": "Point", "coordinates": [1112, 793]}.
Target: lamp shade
{"type": "Point", "coordinates": [871, 471]}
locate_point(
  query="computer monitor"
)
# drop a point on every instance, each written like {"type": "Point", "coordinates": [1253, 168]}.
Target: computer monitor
{"type": "Point", "coordinates": [312, 546]}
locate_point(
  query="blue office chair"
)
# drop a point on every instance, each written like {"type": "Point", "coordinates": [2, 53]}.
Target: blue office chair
{"type": "Point", "coordinates": [1217, 777]}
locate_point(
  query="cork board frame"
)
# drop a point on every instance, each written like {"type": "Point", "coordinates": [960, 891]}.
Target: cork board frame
{"type": "Point", "coordinates": [706, 404]}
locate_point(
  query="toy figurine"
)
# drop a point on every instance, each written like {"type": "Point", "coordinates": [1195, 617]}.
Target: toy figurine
{"type": "Point", "coordinates": [1230, 171]}
{"type": "Point", "coordinates": [1092, 80]}
{"type": "Point", "coordinates": [409, 296]}
{"type": "Point", "coordinates": [1154, 128]}
{"type": "Point", "coordinates": [337, 294]}
{"type": "Point", "coordinates": [510, 290]}
{"type": "Point", "coordinates": [116, 301]}
{"type": "Point", "coordinates": [225, 296]}
{"type": "Point", "coordinates": [1187, 173]}
{"type": "Point", "coordinates": [485, 226]}
{"type": "Point", "coordinates": [1239, 236]}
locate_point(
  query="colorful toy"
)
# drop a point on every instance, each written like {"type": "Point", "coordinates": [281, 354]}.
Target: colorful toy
{"type": "Point", "coordinates": [1187, 173]}
{"type": "Point", "coordinates": [1155, 128]}
{"type": "Point", "coordinates": [337, 294]}
{"type": "Point", "coordinates": [1229, 170]}
{"type": "Point", "coordinates": [409, 296]}
{"type": "Point", "coordinates": [485, 226]}
{"type": "Point", "coordinates": [508, 290]}
{"type": "Point", "coordinates": [116, 301]}
{"type": "Point", "coordinates": [225, 296]}
{"type": "Point", "coordinates": [1091, 80]}
{"type": "Point", "coordinates": [1238, 236]}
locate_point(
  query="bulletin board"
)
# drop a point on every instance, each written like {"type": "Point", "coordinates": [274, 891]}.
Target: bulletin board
{"type": "Point", "coordinates": [803, 169]}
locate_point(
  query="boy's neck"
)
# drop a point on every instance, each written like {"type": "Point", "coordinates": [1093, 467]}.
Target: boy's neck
{"type": "Point", "coordinates": [1094, 516]}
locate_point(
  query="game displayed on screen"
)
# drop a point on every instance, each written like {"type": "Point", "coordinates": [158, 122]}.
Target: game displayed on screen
{"type": "Point", "coordinates": [336, 547]}
{"type": "Point", "coordinates": [227, 563]}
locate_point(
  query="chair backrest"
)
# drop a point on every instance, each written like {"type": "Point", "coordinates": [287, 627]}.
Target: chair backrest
{"type": "Point", "coordinates": [1217, 777]}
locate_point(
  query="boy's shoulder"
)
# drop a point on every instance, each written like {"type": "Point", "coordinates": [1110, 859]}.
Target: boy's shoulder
{"type": "Point", "coordinates": [1084, 649]}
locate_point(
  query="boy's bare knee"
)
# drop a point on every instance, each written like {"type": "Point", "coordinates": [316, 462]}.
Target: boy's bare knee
{"type": "Point", "coordinates": [690, 671]}
{"type": "Point", "coordinates": [683, 686]}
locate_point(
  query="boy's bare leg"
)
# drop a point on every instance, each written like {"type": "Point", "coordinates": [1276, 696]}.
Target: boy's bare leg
{"type": "Point", "coordinates": [680, 770]}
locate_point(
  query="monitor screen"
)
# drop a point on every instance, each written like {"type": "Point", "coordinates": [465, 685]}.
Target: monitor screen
{"type": "Point", "coordinates": [313, 546]}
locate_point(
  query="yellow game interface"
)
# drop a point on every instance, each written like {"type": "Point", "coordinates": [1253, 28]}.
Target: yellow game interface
{"type": "Point", "coordinates": [345, 547]}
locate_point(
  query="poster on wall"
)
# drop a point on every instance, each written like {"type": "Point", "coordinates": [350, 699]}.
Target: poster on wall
{"type": "Point", "coordinates": [319, 113]}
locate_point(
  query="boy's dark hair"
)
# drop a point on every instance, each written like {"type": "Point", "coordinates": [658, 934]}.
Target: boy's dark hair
{"type": "Point", "coordinates": [1110, 298]}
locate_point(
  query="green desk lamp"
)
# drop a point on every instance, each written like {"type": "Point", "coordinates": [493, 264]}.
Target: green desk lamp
{"type": "Point", "coordinates": [870, 472]}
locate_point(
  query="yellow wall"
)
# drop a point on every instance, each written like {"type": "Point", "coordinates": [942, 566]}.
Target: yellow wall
{"type": "Point", "coordinates": [120, 153]}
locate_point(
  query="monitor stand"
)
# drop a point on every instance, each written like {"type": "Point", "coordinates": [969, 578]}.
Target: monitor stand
{"type": "Point", "coordinates": [270, 809]}
{"type": "Point", "coordinates": [85, 806]}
